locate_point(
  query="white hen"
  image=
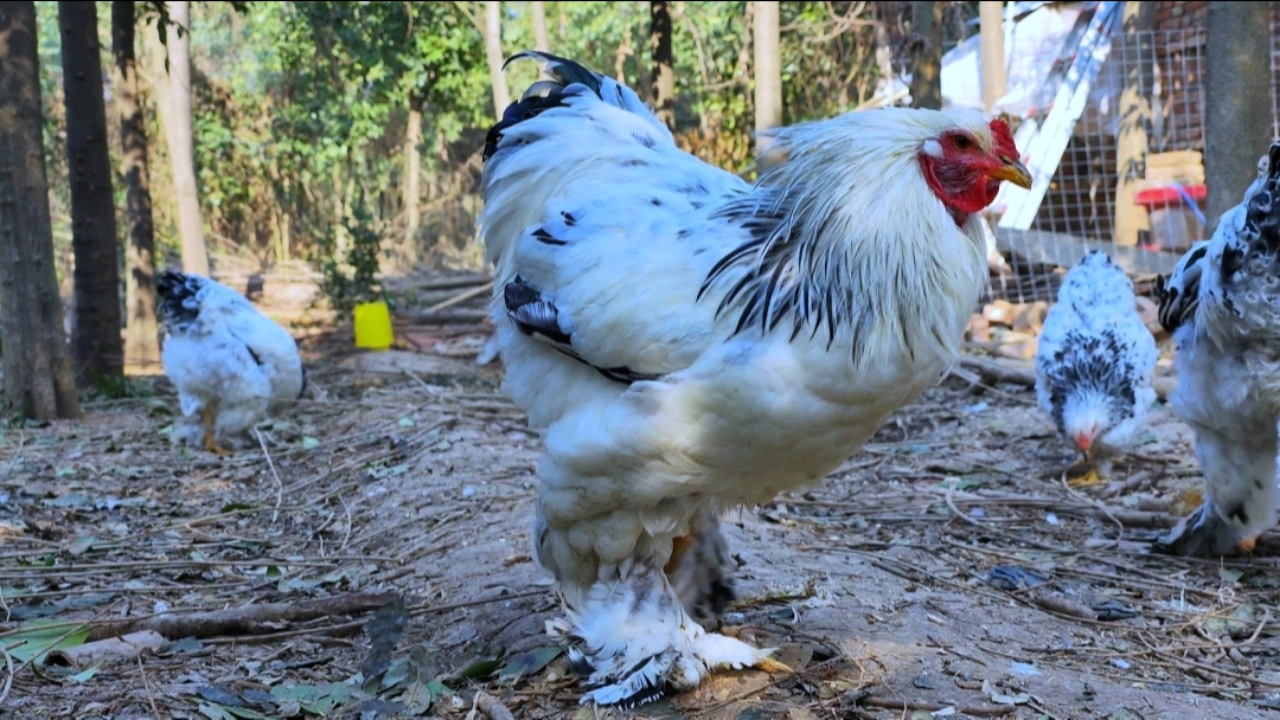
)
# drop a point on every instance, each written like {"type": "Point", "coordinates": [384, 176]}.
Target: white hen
{"type": "Point", "coordinates": [691, 343]}
{"type": "Point", "coordinates": [230, 363]}
{"type": "Point", "coordinates": [1222, 306]}
{"type": "Point", "coordinates": [1095, 362]}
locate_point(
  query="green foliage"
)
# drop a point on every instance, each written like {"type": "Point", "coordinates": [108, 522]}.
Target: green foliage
{"type": "Point", "coordinates": [310, 111]}
{"type": "Point", "coordinates": [118, 387]}
{"type": "Point", "coordinates": [302, 109]}
{"type": "Point", "coordinates": [344, 290]}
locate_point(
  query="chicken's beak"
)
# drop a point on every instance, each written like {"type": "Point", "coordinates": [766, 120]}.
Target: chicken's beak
{"type": "Point", "coordinates": [1012, 171]}
{"type": "Point", "coordinates": [1083, 441]}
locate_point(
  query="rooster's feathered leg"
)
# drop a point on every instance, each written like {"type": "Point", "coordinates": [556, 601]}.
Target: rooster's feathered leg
{"type": "Point", "coordinates": [631, 633]}
{"type": "Point", "coordinates": [1240, 498]}
{"type": "Point", "coordinates": [699, 570]}
{"type": "Point", "coordinates": [633, 641]}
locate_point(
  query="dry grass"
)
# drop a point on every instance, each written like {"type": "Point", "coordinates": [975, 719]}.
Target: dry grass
{"type": "Point", "coordinates": [406, 482]}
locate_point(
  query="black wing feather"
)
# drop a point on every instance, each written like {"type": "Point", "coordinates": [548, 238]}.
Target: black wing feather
{"type": "Point", "coordinates": [539, 318]}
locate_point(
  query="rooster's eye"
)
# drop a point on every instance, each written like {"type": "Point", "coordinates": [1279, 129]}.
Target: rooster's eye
{"type": "Point", "coordinates": [963, 143]}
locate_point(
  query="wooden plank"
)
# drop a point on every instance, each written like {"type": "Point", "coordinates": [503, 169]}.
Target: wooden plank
{"type": "Point", "coordinates": [1065, 250]}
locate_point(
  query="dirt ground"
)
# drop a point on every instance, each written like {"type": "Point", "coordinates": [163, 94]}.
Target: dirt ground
{"type": "Point", "coordinates": [370, 559]}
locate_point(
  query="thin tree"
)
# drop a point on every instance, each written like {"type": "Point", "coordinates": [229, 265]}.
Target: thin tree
{"type": "Point", "coordinates": [95, 326]}
{"type": "Point", "coordinates": [141, 346]}
{"type": "Point", "coordinates": [1237, 99]}
{"type": "Point", "coordinates": [664, 74]}
{"type": "Point", "coordinates": [195, 258]}
{"type": "Point", "coordinates": [412, 167]}
{"type": "Point", "coordinates": [767, 50]}
{"type": "Point", "coordinates": [38, 379]}
{"type": "Point", "coordinates": [1136, 57]}
{"type": "Point", "coordinates": [926, 63]}
{"type": "Point", "coordinates": [493, 52]}
{"type": "Point", "coordinates": [991, 26]}
{"type": "Point", "coordinates": [539, 12]}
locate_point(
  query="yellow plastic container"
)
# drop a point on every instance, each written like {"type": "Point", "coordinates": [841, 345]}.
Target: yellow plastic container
{"type": "Point", "coordinates": [373, 326]}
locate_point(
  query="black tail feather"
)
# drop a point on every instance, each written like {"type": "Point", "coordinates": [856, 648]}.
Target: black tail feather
{"type": "Point", "coordinates": [542, 95]}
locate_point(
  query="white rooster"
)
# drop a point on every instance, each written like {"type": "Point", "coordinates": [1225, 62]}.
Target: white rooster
{"type": "Point", "coordinates": [1095, 362]}
{"type": "Point", "coordinates": [691, 343]}
{"type": "Point", "coordinates": [1222, 306]}
{"type": "Point", "coordinates": [230, 363]}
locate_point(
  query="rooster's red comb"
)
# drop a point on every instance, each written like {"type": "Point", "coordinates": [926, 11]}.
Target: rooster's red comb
{"type": "Point", "coordinates": [1003, 138]}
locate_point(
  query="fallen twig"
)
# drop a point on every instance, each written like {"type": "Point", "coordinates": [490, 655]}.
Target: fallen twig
{"type": "Point", "coordinates": [445, 317]}
{"type": "Point", "coordinates": [114, 649]}
{"type": "Point", "coordinates": [146, 685]}
{"type": "Point", "coordinates": [8, 681]}
{"type": "Point", "coordinates": [1134, 482]}
{"type": "Point", "coordinates": [461, 297]}
{"type": "Point", "coordinates": [451, 283]}
{"type": "Point", "coordinates": [888, 703]}
{"type": "Point", "coordinates": [275, 512]}
{"type": "Point", "coordinates": [994, 371]}
{"type": "Point", "coordinates": [245, 620]}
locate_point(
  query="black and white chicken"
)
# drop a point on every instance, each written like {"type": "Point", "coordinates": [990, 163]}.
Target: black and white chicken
{"type": "Point", "coordinates": [690, 342]}
{"type": "Point", "coordinates": [1095, 363]}
{"type": "Point", "coordinates": [230, 363]}
{"type": "Point", "coordinates": [1222, 306]}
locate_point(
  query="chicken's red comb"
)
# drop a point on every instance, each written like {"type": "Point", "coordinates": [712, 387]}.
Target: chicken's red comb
{"type": "Point", "coordinates": [1003, 138]}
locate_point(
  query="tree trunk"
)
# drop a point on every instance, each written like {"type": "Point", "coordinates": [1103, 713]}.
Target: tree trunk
{"type": "Point", "coordinates": [1237, 100]}
{"type": "Point", "coordinates": [38, 378]}
{"type": "Point", "coordinates": [539, 12]}
{"type": "Point", "coordinates": [195, 259]}
{"type": "Point", "coordinates": [991, 25]}
{"type": "Point", "coordinates": [926, 63]}
{"type": "Point", "coordinates": [95, 327]}
{"type": "Point", "coordinates": [884, 48]}
{"type": "Point", "coordinates": [412, 171]}
{"type": "Point", "coordinates": [142, 345]}
{"type": "Point", "coordinates": [493, 51]}
{"type": "Point", "coordinates": [1136, 57]}
{"type": "Point", "coordinates": [664, 74]}
{"type": "Point", "coordinates": [768, 76]}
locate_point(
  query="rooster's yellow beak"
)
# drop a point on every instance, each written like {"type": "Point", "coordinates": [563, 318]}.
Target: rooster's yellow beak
{"type": "Point", "coordinates": [1012, 171]}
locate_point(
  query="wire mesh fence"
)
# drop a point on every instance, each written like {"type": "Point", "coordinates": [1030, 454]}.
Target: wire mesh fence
{"type": "Point", "coordinates": [1129, 178]}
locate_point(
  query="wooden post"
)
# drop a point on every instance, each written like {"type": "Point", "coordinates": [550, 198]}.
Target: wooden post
{"type": "Point", "coordinates": [1237, 100]}
{"type": "Point", "coordinates": [1136, 57]}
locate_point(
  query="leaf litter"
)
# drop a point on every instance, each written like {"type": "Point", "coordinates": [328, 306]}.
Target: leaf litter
{"type": "Point", "coordinates": [391, 560]}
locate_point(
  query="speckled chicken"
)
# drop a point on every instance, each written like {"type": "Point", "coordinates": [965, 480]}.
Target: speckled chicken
{"type": "Point", "coordinates": [1095, 362]}
{"type": "Point", "coordinates": [230, 363]}
{"type": "Point", "coordinates": [1222, 306]}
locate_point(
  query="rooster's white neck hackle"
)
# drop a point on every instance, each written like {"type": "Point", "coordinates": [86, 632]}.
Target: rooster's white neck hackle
{"type": "Point", "coordinates": [851, 243]}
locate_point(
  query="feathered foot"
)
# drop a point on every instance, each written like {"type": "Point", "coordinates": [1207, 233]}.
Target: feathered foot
{"type": "Point", "coordinates": [634, 643]}
{"type": "Point", "coordinates": [1099, 473]}
{"type": "Point", "coordinates": [209, 443]}
{"type": "Point", "coordinates": [1204, 534]}
{"type": "Point", "coordinates": [1090, 478]}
